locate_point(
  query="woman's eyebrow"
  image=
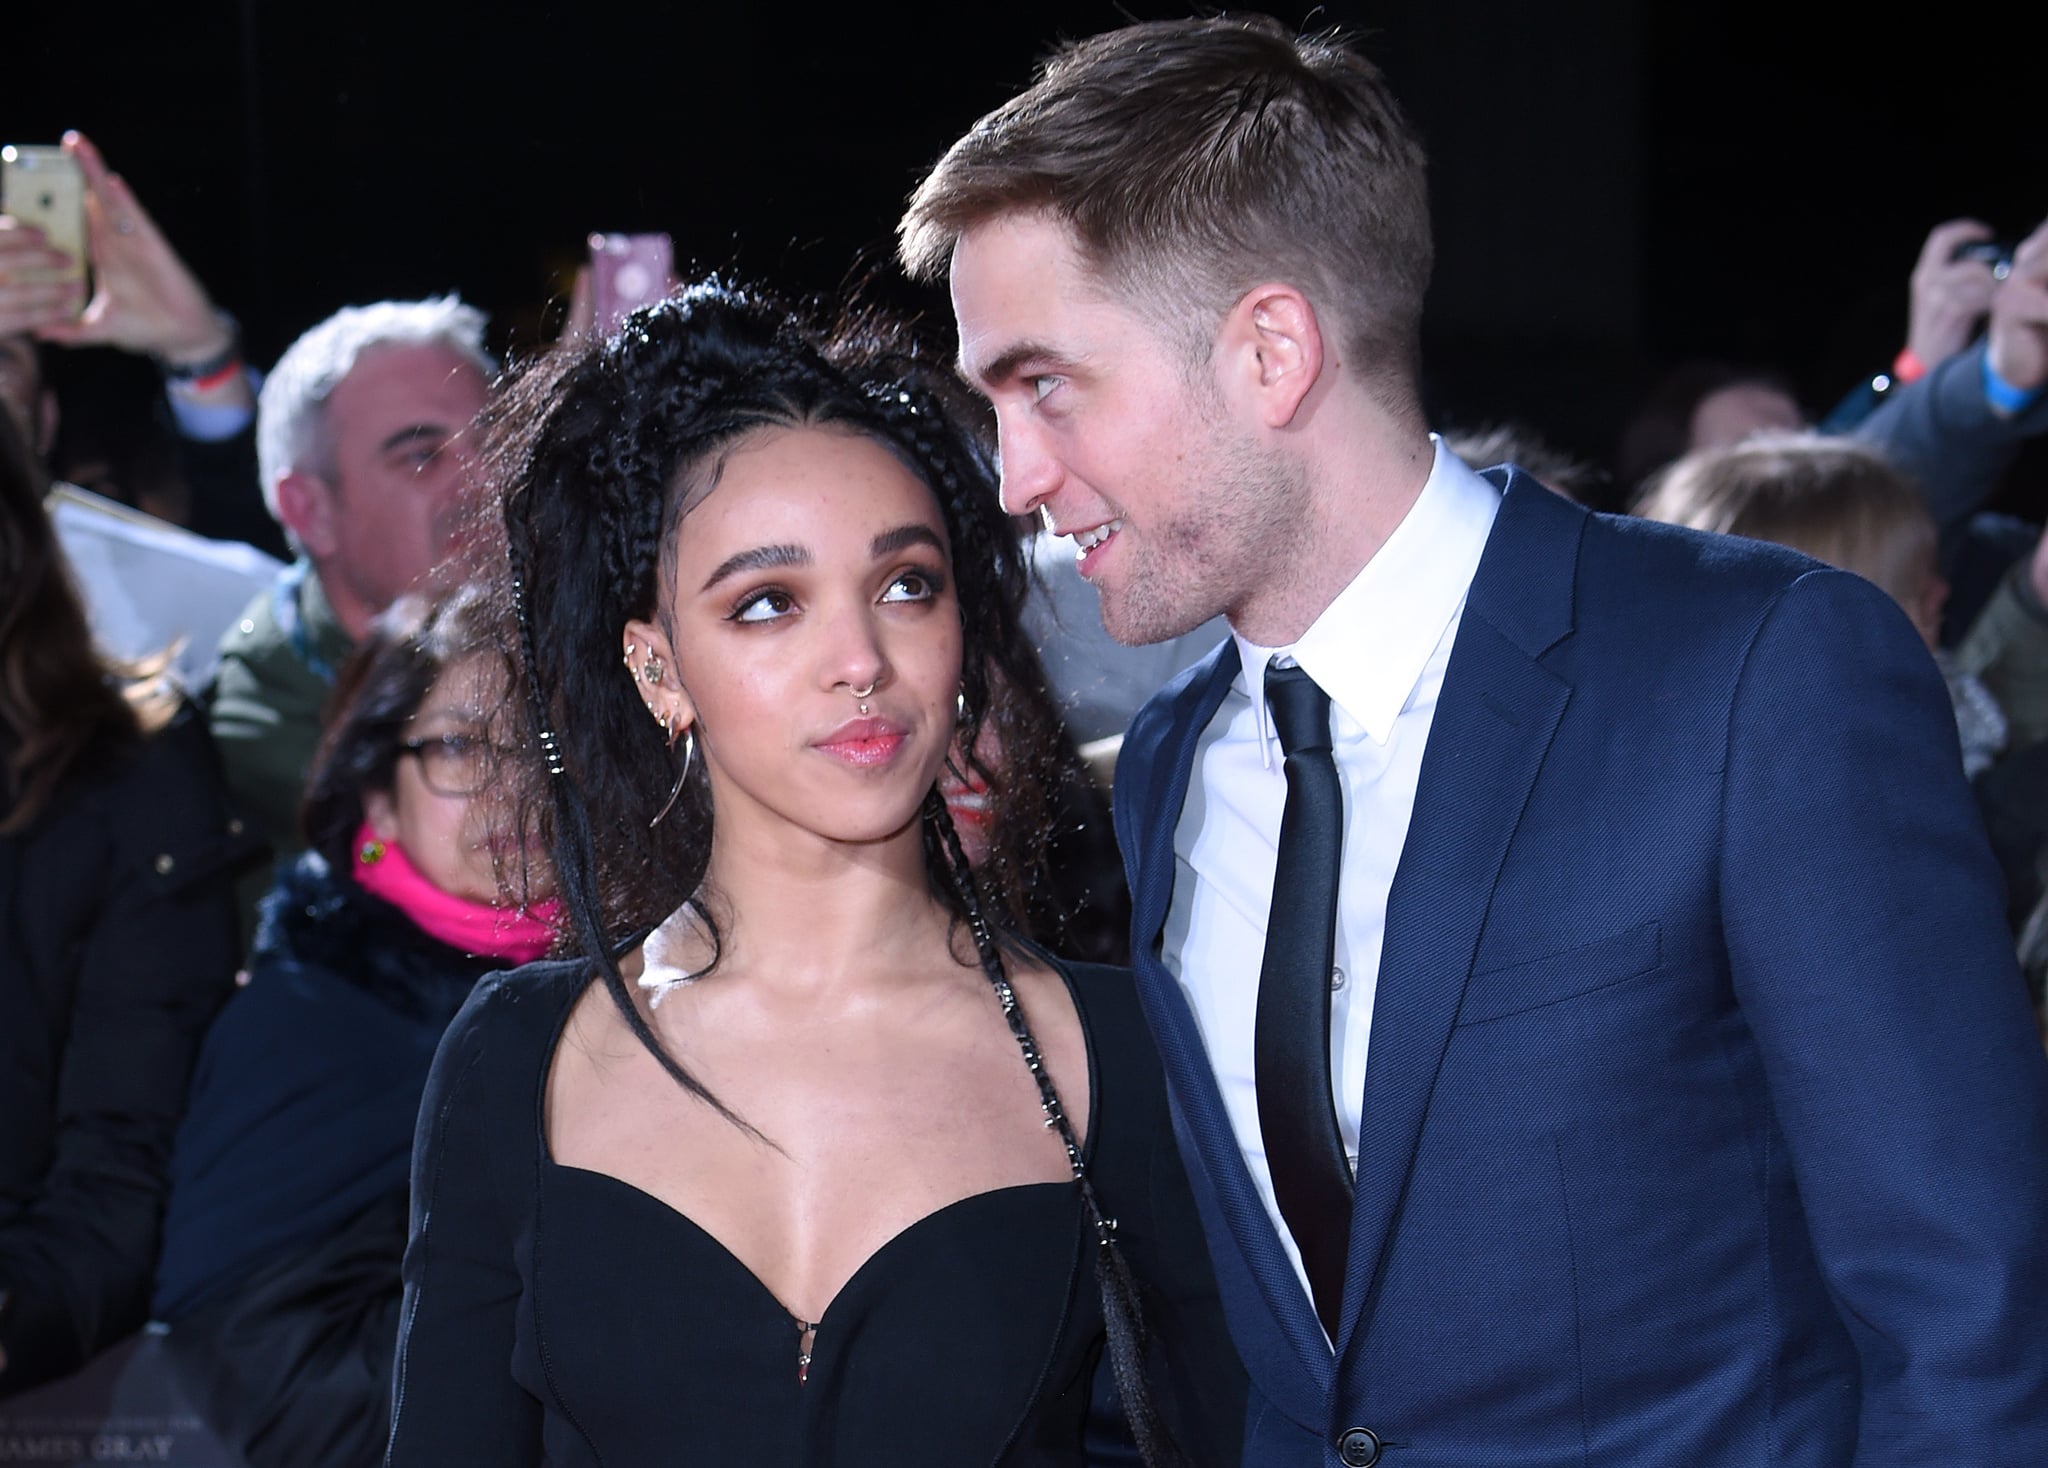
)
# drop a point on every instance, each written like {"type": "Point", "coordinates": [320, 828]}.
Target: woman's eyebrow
{"type": "Point", "coordinates": [889, 542]}
{"type": "Point", "coordinates": [760, 558]}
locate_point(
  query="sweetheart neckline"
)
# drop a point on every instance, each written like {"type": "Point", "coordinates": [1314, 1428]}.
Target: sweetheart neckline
{"type": "Point", "coordinates": [860, 1271]}
{"type": "Point", "coordinates": [548, 1162]}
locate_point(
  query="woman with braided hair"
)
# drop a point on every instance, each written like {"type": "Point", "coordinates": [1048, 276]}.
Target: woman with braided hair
{"type": "Point", "coordinates": [810, 1154]}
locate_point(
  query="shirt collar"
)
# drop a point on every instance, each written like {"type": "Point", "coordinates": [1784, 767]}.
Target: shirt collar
{"type": "Point", "coordinates": [1369, 647]}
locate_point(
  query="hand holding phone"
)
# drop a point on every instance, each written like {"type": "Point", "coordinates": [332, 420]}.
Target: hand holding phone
{"type": "Point", "coordinates": [44, 187]}
{"type": "Point", "coordinates": [1995, 253]}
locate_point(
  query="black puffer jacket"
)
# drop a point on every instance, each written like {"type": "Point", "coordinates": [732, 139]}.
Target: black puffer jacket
{"type": "Point", "coordinates": [288, 1209]}
{"type": "Point", "coordinates": [118, 942]}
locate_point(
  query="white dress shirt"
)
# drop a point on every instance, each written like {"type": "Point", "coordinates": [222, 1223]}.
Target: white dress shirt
{"type": "Point", "coordinates": [1379, 650]}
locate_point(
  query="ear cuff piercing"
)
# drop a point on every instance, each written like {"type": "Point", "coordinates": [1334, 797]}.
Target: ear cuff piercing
{"type": "Point", "coordinates": [651, 670]}
{"type": "Point", "coordinates": [650, 673]}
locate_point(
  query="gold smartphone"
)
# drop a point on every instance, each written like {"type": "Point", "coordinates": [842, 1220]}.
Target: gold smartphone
{"type": "Point", "coordinates": [44, 186]}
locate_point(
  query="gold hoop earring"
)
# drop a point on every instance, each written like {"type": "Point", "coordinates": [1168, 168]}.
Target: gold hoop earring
{"type": "Point", "coordinates": [689, 758]}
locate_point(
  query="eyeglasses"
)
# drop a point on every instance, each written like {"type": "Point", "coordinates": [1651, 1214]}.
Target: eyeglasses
{"type": "Point", "coordinates": [454, 764]}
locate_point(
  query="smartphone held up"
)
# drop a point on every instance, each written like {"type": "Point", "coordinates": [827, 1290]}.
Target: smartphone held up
{"type": "Point", "coordinates": [1995, 253]}
{"type": "Point", "coordinates": [44, 187]}
{"type": "Point", "coordinates": [627, 271]}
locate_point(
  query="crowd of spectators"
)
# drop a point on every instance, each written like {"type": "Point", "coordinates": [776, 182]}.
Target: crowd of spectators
{"type": "Point", "coordinates": [251, 860]}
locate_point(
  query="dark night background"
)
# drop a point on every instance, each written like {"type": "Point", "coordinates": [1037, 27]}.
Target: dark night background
{"type": "Point", "coordinates": [1615, 184]}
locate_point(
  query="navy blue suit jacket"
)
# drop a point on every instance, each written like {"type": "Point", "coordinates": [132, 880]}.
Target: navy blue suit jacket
{"type": "Point", "coordinates": [1704, 1121]}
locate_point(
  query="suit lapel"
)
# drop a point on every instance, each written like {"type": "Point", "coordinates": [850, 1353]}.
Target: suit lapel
{"type": "Point", "coordinates": [1152, 779]}
{"type": "Point", "coordinates": [1495, 718]}
{"type": "Point", "coordinates": [1152, 783]}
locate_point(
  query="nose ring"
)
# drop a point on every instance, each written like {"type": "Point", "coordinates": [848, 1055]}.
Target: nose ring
{"type": "Point", "coordinates": [862, 695]}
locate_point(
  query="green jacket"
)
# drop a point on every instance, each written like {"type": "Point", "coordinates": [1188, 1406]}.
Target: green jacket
{"type": "Point", "coordinates": [277, 667]}
{"type": "Point", "coordinates": [2007, 647]}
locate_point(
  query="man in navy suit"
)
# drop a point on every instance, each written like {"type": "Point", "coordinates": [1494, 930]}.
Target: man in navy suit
{"type": "Point", "coordinates": [1683, 1106]}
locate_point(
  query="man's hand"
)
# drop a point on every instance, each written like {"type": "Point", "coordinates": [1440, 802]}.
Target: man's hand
{"type": "Point", "coordinates": [29, 300]}
{"type": "Point", "coordinates": [2019, 317]}
{"type": "Point", "coordinates": [145, 298]}
{"type": "Point", "coordinates": [1949, 297]}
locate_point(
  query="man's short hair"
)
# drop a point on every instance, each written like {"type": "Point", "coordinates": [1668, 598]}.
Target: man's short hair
{"type": "Point", "coordinates": [1837, 500]}
{"type": "Point", "coordinates": [1194, 159]}
{"type": "Point", "coordinates": [291, 410]}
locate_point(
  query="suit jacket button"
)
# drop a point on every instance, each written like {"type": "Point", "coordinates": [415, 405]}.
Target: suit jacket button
{"type": "Point", "coordinates": [1359, 1447]}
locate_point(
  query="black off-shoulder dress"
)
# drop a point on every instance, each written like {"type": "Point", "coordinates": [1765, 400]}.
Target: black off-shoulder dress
{"type": "Point", "coordinates": [561, 1316]}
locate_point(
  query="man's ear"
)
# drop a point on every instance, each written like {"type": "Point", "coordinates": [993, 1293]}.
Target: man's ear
{"type": "Point", "coordinates": [1270, 348]}
{"type": "Point", "coordinates": [306, 506]}
{"type": "Point", "coordinates": [651, 664]}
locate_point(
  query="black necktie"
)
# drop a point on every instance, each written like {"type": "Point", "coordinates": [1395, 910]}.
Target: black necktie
{"type": "Point", "coordinates": [1291, 1038]}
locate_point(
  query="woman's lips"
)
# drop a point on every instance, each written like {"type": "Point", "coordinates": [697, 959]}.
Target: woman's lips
{"type": "Point", "coordinates": [863, 742]}
{"type": "Point", "coordinates": [972, 809]}
{"type": "Point", "coordinates": [966, 798]}
{"type": "Point", "coordinates": [967, 803]}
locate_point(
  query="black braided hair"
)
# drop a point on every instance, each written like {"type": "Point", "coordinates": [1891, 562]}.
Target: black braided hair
{"type": "Point", "coordinates": [591, 451]}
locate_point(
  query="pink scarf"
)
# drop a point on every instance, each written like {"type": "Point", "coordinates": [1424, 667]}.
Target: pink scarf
{"type": "Point", "coordinates": [517, 935]}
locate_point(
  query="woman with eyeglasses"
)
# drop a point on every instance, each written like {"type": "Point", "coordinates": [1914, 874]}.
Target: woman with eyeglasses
{"type": "Point", "coordinates": [280, 1268]}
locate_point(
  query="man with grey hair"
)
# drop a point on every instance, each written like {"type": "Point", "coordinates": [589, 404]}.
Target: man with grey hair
{"type": "Point", "coordinates": [360, 445]}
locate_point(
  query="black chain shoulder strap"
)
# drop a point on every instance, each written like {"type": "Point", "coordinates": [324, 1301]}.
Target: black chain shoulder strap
{"type": "Point", "coordinates": [1034, 1059]}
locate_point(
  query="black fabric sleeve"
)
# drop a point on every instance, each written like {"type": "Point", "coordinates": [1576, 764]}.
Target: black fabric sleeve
{"type": "Point", "coordinates": [454, 1396]}
{"type": "Point", "coordinates": [153, 967]}
{"type": "Point", "coordinates": [293, 1365]}
{"type": "Point", "coordinates": [227, 497]}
